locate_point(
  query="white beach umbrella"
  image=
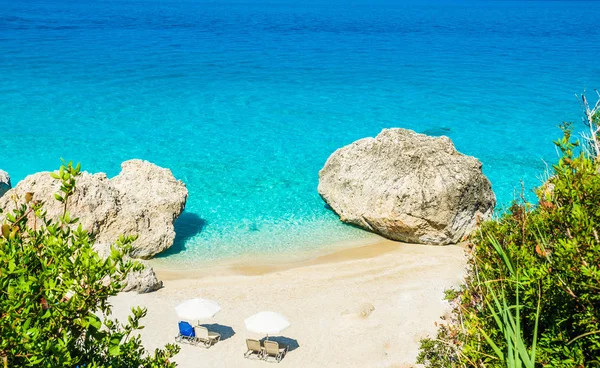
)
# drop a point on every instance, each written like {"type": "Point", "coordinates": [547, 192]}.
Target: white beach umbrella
{"type": "Point", "coordinates": [268, 323]}
{"type": "Point", "coordinates": [197, 309]}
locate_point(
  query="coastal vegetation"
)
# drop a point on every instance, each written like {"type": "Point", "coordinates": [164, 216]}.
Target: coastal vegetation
{"type": "Point", "coordinates": [531, 296]}
{"type": "Point", "coordinates": [54, 291]}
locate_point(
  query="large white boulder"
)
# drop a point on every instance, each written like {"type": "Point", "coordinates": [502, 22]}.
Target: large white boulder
{"type": "Point", "coordinates": [408, 187]}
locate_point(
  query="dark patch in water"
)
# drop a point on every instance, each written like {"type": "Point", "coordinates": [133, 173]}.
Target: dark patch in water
{"type": "Point", "coordinates": [437, 131]}
{"type": "Point", "coordinates": [187, 226]}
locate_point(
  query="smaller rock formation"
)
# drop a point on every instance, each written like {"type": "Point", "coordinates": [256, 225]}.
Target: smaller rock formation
{"type": "Point", "coordinates": [143, 281]}
{"type": "Point", "coordinates": [143, 200]}
{"type": "Point", "coordinates": [4, 182]}
{"type": "Point", "coordinates": [408, 187]}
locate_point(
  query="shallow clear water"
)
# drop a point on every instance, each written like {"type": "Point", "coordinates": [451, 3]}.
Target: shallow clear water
{"type": "Point", "coordinates": [245, 102]}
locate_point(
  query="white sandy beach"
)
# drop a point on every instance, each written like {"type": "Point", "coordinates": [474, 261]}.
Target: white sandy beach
{"type": "Point", "coordinates": [322, 298]}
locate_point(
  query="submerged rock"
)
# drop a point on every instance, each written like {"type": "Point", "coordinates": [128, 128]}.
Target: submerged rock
{"type": "Point", "coordinates": [4, 182]}
{"type": "Point", "coordinates": [408, 187]}
{"type": "Point", "coordinates": [143, 200]}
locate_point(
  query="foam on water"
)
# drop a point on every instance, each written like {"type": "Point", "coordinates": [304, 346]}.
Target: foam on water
{"type": "Point", "coordinates": [245, 102]}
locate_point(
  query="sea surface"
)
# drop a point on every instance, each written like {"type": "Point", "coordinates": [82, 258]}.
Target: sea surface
{"type": "Point", "coordinates": [245, 100]}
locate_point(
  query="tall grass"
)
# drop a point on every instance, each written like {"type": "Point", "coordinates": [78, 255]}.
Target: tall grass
{"type": "Point", "coordinates": [515, 353]}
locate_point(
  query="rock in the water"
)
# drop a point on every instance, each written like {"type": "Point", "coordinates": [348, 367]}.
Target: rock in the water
{"type": "Point", "coordinates": [4, 182]}
{"type": "Point", "coordinates": [408, 187]}
{"type": "Point", "coordinates": [151, 199]}
{"type": "Point", "coordinates": [143, 281]}
{"type": "Point", "coordinates": [143, 199]}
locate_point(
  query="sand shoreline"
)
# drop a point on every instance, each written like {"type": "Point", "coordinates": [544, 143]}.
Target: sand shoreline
{"type": "Point", "coordinates": [322, 296]}
{"type": "Point", "coordinates": [262, 264]}
{"type": "Point", "coordinates": [174, 269]}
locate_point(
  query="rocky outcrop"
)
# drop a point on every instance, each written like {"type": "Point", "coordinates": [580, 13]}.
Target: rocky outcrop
{"type": "Point", "coordinates": [150, 200]}
{"type": "Point", "coordinates": [142, 200]}
{"type": "Point", "coordinates": [4, 182]}
{"type": "Point", "coordinates": [408, 187]}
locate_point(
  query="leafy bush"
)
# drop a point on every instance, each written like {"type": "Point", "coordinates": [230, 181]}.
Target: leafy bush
{"type": "Point", "coordinates": [54, 291]}
{"type": "Point", "coordinates": [532, 292]}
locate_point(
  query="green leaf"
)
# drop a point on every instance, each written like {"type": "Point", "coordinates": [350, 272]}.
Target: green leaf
{"type": "Point", "coordinates": [114, 350]}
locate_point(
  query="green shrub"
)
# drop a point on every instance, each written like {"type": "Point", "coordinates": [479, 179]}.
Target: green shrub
{"type": "Point", "coordinates": [54, 291]}
{"type": "Point", "coordinates": [539, 266]}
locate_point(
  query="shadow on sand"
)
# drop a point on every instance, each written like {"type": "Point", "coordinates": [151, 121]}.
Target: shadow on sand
{"type": "Point", "coordinates": [291, 343]}
{"type": "Point", "coordinates": [226, 332]}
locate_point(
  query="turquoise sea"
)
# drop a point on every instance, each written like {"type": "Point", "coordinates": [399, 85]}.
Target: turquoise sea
{"type": "Point", "coordinates": [244, 101]}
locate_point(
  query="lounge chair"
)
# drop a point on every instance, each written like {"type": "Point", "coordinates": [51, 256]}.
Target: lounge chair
{"type": "Point", "coordinates": [186, 333]}
{"type": "Point", "coordinates": [275, 350]}
{"type": "Point", "coordinates": [206, 337]}
{"type": "Point", "coordinates": [254, 349]}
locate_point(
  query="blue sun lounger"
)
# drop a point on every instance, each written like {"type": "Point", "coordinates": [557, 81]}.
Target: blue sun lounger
{"type": "Point", "coordinates": [186, 333]}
